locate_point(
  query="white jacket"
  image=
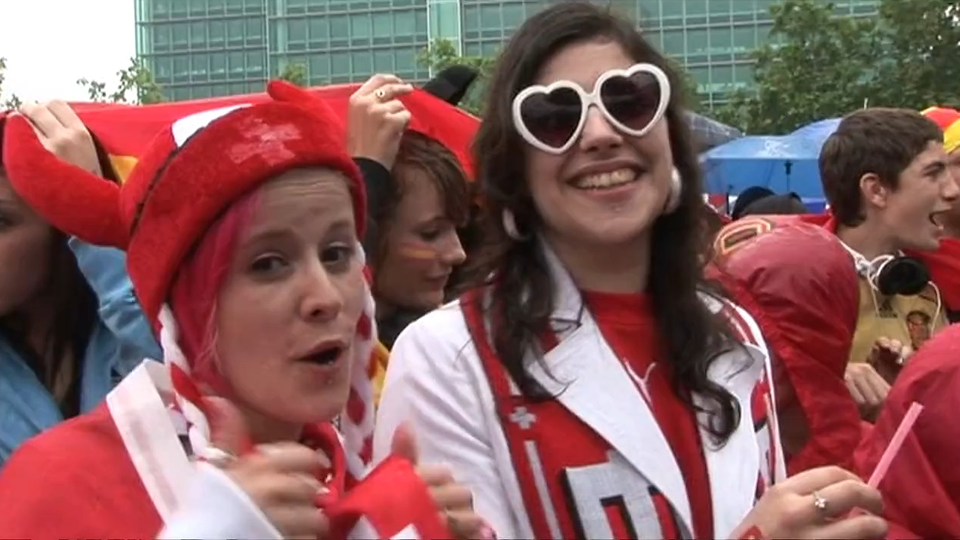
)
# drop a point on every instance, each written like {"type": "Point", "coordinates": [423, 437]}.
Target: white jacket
{"type": "Point", "coordinates": [436, 382]}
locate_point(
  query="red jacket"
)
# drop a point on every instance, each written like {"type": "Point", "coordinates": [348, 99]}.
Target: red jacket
{"type": "Point", "coordinates": [921, 489]}
{"type": "Point", "coordinates": [797, 281]}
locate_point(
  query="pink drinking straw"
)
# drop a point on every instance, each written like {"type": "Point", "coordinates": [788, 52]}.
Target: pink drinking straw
{"type": "Point", "coordinates": [894, 447]}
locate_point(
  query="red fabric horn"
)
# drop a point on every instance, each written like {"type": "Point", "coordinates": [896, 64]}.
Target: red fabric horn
{"type": "Point", "coordinates": [71, 199]}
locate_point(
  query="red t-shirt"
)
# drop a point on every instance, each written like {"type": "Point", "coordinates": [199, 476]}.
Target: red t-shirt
{"type": "Point", "coordinates": [628, 325]}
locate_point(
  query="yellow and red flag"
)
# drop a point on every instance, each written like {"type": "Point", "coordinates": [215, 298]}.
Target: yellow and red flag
{"type": "Point", "coordinates": [125, 131]}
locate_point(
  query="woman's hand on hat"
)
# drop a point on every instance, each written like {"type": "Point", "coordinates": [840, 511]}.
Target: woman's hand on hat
{"type": "Point", "coordinates": [377, 119]}
{"type": "Point", "coordinates": [62, 132]}
{"type": "Point", "coordinates": [279, 478]}
{"type": "Point", "coordinates": [454, 500]}
{"type": "Point", "coordinates": [827, 502]}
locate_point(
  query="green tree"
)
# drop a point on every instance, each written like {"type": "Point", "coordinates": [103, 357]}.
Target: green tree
{"type": "Point", "coordinates": [442, 53]}
{"type": "Point", "coordinates": [921, 51]}
{"type": "Point", "coordinates": [294, 73]}
{"type": "Point", "coordinates": [816, 65]}
{"type": "Point", "coordinates": [12, 102]}
{"type": "Point", "coordinates": [136, 78]}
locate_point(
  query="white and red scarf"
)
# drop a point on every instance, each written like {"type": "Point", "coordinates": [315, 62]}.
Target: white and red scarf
{"type": "Point", "coordinates": [387, 502]}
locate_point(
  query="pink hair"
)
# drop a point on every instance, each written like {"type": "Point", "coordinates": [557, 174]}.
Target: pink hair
{"type": "Point", "coordinates": [196, 289]}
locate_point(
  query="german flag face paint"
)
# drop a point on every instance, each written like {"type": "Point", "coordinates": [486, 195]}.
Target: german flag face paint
{"type": "Point", "coordinates": [417, 251]}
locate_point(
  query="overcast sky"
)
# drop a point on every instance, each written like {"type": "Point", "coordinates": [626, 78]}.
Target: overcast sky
{"type": "Point", "coordinates": [49, 44]}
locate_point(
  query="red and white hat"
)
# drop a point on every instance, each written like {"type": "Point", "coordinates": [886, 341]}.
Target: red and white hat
{"type": "Point", "coordinates": [177, 190]}
{"type": "Point", "coordinates": [191, 173]}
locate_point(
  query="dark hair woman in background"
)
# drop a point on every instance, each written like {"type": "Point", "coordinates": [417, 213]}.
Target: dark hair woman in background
{"type": "Point", "coordinates": [70, 325]}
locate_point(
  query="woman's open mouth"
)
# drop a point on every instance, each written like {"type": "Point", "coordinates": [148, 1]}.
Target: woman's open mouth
{"type": "Point", "coordinates": [324, 355]}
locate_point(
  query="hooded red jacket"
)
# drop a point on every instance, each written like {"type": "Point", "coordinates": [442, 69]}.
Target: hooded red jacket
{"type": "Point", "coordinates": [797, 281]}
{"type": "Point", "coordinates": [921, 489]}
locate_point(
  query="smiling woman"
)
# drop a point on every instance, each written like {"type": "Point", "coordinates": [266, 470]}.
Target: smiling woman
{"type": "Point", "coordinates": [592, 385]}
{"type": "Point", "coordinates": [419, 247]}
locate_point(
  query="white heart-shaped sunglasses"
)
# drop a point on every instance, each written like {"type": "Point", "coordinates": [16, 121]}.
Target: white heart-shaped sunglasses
{"type": "Point", "coordinates": [551, 118]}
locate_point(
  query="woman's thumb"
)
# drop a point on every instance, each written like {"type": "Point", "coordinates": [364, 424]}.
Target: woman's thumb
{"type": "Point", "coordinates": [404, 444]}
{"type": "Point", "coordinates": [228, 429]}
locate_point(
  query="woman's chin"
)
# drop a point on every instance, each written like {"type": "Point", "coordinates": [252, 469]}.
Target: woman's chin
{"type": "Point", "coordinates": [313, 408]}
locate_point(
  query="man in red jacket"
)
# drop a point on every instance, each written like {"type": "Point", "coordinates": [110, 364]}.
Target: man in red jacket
{"type": "Point", "coordinates": [885, 176]}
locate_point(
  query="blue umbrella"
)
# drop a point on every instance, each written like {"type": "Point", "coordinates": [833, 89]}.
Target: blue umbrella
{"type": "Point", "coordinates": [781, 163]}
{"type": "Point", "coordinates": [818, 131]}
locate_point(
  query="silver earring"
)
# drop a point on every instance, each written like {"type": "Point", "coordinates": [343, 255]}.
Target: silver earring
{"type": "Point", "coordinates": [510, 225]}
{"type": "Point", "coordinates": [676, 189]}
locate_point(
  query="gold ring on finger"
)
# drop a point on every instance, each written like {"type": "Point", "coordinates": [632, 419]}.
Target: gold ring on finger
{"type": "Point", "coordinates": [381, 95]}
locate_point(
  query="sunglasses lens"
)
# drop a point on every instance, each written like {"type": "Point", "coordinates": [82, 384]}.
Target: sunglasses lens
{"type": "Point", "coordinates": [633, 101]}
{"type": "Point", "coordinates": [552, 118]}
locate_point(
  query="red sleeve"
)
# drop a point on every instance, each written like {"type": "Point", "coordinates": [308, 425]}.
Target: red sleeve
{"type": "Point", "coordinates": [75, 481]}
{"type": "Point", "coordinates": [25, 501]}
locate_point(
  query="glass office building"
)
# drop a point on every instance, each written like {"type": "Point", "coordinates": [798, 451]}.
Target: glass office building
{"type": "Point", "coordinates": [204, 48]}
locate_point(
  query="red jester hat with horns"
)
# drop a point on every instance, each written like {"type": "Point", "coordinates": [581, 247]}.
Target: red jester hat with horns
{"type": "Point", "coordinates": [187, 177]}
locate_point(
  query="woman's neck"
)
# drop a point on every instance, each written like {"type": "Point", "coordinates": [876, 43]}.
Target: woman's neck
{"type": "Point", "coordinates": [612, 268]}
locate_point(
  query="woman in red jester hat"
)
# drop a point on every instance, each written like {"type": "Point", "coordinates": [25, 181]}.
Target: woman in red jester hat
{"type": "Point", "coordinates": [242, 229]}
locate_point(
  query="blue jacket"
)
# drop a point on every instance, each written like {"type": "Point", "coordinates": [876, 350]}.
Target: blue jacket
{"type": "Point", "coordinates": [121, 339]}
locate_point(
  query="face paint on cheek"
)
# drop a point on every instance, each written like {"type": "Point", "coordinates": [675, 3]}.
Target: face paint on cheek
{"type": "Point", "coordinates": [417, 251]}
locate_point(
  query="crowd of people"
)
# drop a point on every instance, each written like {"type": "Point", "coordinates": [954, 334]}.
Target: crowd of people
{"type": "Point", "coordinates": [294, 321]}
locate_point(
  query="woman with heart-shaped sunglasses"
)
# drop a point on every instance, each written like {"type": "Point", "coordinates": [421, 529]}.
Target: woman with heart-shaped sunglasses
{"type": "Point", "coordinates": [592, 385]}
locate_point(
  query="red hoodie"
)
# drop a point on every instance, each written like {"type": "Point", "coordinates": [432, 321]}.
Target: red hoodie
{"type": "Point", "coordinates": [797, 281]}
{"type": "Point", "coordinates": [921, 489]}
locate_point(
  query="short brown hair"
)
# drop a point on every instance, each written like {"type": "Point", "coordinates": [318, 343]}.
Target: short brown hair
{"type": "Point", "coordinates": [879, 141]}
{"type": "Point", "coordinates": [421, 153]}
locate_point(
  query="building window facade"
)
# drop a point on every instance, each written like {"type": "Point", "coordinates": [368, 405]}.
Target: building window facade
{"type": "Point", "coordinates": [206, 48]}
